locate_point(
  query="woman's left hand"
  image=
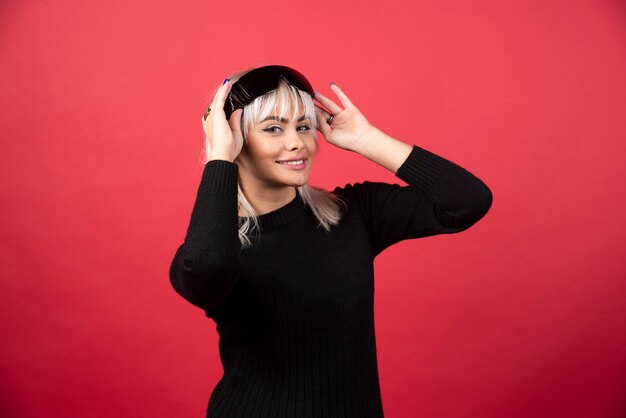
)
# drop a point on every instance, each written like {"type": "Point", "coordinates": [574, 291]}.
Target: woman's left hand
{"type": "Point", "coordinates": [348, 124]}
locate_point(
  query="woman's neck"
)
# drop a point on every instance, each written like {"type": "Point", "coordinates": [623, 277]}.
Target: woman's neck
{"type": "Point", "coordinates": [268, 200]}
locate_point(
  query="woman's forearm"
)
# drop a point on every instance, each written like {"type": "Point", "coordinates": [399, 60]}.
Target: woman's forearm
{"type": "Point", "coordinates": [382, 149]}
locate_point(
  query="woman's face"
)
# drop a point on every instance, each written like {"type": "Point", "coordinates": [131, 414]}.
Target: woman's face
{"type": "Point", "coordinates": [278, 153]}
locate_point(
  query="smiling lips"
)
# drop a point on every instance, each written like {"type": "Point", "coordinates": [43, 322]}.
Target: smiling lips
{"type": "Point", "coordinates": [293, 164]}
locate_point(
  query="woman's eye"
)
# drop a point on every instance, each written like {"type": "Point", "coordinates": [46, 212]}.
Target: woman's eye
{"type": "Point", "coordinates": [272, 129]}
{"type": "Point", "coordinates": [304, 128]}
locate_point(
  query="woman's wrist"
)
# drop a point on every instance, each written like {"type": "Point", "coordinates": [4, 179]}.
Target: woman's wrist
{"type": "Point", "coordinates": [377, 146]}
{"type": "Point", "coordinates": [221, 155]}
{"type": "Point", "coordinates": [366, 144]}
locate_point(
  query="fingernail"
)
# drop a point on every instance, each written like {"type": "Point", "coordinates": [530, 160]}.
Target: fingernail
{"type": "Point", "coordinates": [226, 81]}
{"type": "Point", "coordinates": [331, 83]}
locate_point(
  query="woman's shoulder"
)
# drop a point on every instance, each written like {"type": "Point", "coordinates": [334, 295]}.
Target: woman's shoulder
{"type": "Point", "coordinates": [361, 189]}
{"type": "Point", "coordinates": [364, 196]}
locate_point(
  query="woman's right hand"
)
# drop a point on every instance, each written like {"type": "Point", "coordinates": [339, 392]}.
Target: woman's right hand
{"type": "Point", "coordinates": [224, 137]}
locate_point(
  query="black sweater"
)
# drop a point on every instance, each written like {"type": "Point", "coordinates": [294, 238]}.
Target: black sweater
{"type": "Point", "coordinates": [294, 311]}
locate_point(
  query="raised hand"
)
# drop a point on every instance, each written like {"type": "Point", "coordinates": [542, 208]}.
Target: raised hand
{"type": "Point", "coordinates": [348, 124]}
{"type": "Point", "coordinates": [350, 130]}
{"type": "Point", "coordinates": [224, 137]}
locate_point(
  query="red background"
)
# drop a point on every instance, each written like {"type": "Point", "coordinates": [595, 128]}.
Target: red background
{"type": "Point", "coordinates": [521, 316]}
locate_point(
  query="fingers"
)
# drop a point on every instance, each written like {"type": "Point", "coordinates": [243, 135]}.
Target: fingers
{"type": "Point", "coordinates": [324, 112]}
{"type": "Point", "coordinates": [206, 127]}
{"type": "Point", "coordinates": [332, 107]}
{"type": "Point", "coordinates": [217, 105]}
{"type": "Point", "coordinates": [341, 95]}
{"type": "Point", "coordinates": [321, 115]}
{"type": "Point", "coordinates": [235, 122]}
{"type": "Point", "coordinates": [222, 93]}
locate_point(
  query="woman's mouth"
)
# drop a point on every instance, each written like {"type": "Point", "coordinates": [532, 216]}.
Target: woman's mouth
{"type": "Point", "coordinates": [295, 164]}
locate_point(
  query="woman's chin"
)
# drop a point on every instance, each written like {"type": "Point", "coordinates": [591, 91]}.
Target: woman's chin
{"type": "Point", "coordinates": [297, 181]}
{"type": "Point", "coordinates": [297, 184]}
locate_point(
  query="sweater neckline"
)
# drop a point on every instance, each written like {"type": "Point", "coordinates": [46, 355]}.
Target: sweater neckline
{"type": "Point", "coordinates": [279, 217]}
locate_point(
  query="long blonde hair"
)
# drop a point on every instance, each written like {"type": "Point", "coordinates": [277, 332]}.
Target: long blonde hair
{"type": "Point", "coordinates": [325, 205]}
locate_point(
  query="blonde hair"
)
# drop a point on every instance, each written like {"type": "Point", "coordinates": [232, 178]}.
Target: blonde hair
{"type": "Point", "coordinates": [325, 205]}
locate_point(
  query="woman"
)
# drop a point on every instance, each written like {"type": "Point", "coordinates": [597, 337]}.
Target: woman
{"type": "Point", "coordinates": [286, 270]}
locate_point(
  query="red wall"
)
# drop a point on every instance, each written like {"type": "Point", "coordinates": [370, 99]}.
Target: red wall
{"type": "Point", "coordinates": [521, 316]}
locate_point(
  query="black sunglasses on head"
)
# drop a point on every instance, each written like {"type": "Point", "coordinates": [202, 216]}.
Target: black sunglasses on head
{"type": "Point", "coordinates": [260, 81]}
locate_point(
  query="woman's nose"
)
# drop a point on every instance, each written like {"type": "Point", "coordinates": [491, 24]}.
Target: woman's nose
{"type": "Point", "coordinates": [294, 142]}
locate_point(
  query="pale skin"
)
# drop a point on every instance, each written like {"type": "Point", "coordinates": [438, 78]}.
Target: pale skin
{"type": "Point", "coordinates": [267, 181]}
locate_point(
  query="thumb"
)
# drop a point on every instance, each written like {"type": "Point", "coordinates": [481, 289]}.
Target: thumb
{"type": "Point", "coordinates": [322, 125]}
{"type": "Point", "coordinates": [235, 122]}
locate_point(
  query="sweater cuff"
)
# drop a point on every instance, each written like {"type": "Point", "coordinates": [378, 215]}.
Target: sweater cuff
{"type": "Point", "coordinates": [219, 176]}
{"type": "Point", "coordinates": [422, 168]}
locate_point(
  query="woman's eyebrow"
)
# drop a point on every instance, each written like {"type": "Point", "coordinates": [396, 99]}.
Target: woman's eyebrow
{"type": "Point", "coordinates": [283, 120]}
{"type": "Point", "coordinates": [276, 118]}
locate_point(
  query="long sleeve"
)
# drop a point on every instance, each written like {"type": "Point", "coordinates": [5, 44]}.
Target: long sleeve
{"type": "Point", "coordinates": [206, 266]}
{"type": "Point", "coordinates": [441, 198]}
{"type": "Point", "coordinates": [295, 311]}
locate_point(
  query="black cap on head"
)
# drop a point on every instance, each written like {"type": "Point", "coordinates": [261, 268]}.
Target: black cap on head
{"type": "Point", "coordinates": [260, 81]}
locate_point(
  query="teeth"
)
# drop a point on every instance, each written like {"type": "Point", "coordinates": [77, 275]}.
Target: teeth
{"type": "Point", "coordinates": [296, 162]}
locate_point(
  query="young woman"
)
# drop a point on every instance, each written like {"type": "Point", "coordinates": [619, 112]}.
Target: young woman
{"type": "Point", "coordinates": [286, 270]}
